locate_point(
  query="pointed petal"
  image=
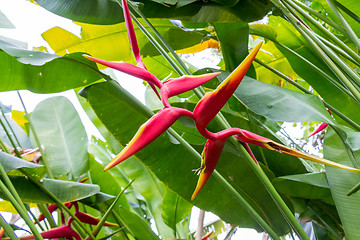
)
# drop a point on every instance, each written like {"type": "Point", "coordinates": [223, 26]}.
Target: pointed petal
{"type": "Point", "coordinates": [210, 157]}
{"type": "Point", "coordinates": [185, 83]}
{"type": "Point", "coordinates": [51, 209]}
{"type": "Point", "coordinates": [252, 138]}
{"type": "Point", "coordinates": [131, 34]}
{"type": "Point", "coordinates": [207, 236]}
{"type": "Point", "coordinates": [88, 219]}
{"type": "Point", "coordinates": [148, 132]}
{"type": "Point", "coordinates": [130, 69]}
{"type": "Point", "coordinates": [248, 149]}
{"type": "Point", "coordinates": [211, 103]}
{"type": "Point", "coordinates": [319, 129]}
{"type": "Point", "coordinates": [2, 230]}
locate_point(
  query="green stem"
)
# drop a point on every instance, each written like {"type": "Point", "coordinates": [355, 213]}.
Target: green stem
{"type": "Point", "coordinates": [323, 18]}
{"type": "Point", "coordinates": [33, 217]}
{"type": "Point", "coordinates": [47, 215]}
{"type": "Point", "coordinates": [11, 129]}
{"type": "Point", "coordinates": [313, 43]}
{"type": "Point", "coordinates": [319, 47]}
{"type": "Point", "coordinates": [289, 80]}
{"type": "Point", "coordinates": [345, 24]}
{"type": "Point", "coordinates": [10, 138]}
{"type": "Point", "coordinates": [8, 229]}
{"type": "Point", "coordinates": [19, 207]}
{"type": "Point", "coordinates": [37, 140]}
{"type": "Point", "coordinates": [109, 210]}
{"type": "Point", "coordinates": [326, 32]}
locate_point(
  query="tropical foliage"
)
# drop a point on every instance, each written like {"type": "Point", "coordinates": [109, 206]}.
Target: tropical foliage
{"type": "Point", "coordinates": [303, 67]}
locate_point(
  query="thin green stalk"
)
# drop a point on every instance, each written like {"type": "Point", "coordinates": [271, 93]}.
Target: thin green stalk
{"type": "Point", "coordinates": [33, 217]}
{"type": "Point", "coordinates": [47, 215]}
{"type": "Point", "coordinates": [109, 210]}
{"type": "Point", "coordinates": [338, 50]}
{"type": "Point", "coordinates": [8, 229]}
{"type": "Point", "coordinates": [330, 107]}
{"type": "Point", "coordinates": [10, 139]}
{"type": "Point", "coordinates": [19, 208]}
{"type": "Point", "coordinates": [345, 24]}
{"type": "Point", "coordinates": [11, 129]}
{"type": "Point", "coordinates": [311, 40]}
{"type": "Point", "coordinates": [326, 32]}
{"type": "Point", "coordinates": [323, 18]}
{"type": "Point", "coordinates": [37, 140]}
{"type": "Point", "coordinates": [320, 47]}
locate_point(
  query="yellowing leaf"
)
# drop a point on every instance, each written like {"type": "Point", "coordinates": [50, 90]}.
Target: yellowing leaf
{"type": "Point", "coordinates": [200, 47]}
{"type": "Point", "coordinates": [20, 118]}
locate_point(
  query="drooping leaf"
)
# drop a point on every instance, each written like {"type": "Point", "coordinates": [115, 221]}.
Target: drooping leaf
{"type": "Point", "coordinates": [42, 72]}
{"type": "Point", "coordinates": [63, 136]}
{"type": "Point", "coordinates": [341, 182]}
{"type": "Point", "coordinates": [65, 191]}
{"type": "Point", "coordinates": [12, 165]}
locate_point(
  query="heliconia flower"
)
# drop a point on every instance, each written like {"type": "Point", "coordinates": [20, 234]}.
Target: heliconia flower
{"type": "Point", "coordinates": [319, 129]}
{"type": "Point", "coordinates": [212, 102]}
{"type": "Point", "coordinates": [149, 131]}
{"type": "Point", "coordinates": [203, 238]}
{"type": "Point", "coordinates": [88, 219]}
{"type": "Point", "coordinates": [64, 231]}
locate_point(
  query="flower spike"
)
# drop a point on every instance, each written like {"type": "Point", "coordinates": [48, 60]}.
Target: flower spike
{"type": "Point", "coordinates": [149, 131]}
{"type": "Point", "coordinates": [64, 231]}
{"type": "Point", "coordinates": [212, 102]}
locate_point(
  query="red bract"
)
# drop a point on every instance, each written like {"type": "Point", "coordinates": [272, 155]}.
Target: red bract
{"type": "Point", "coordinates": [212, 102]}
{"type": "Point", "coordinates": [88, 219]}
{"type": "Point", "coordinates": [64, 231]}
{"type": "Point", "coordinates": [53, 208]}
{"type": "Point", "coordinates": [319, 129]}
{"type": "Point", "coordinates": [149, 131]}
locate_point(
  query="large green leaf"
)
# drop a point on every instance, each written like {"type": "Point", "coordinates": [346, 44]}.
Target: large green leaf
{"type": "Point", "coordinates": [65, 191]}
{"type": "Point", "coordinates": [281, 104]}
{"type": "Point", "coordinates": [310, 185]}
{"type": "Point", "coordinates": [12, 165]}
{"type": "Point", "coordinates": [108, 11]}
{"type": "Point", "coordinates": [60, 131]}
{"type": "Point", "coordinates": [43, 72]}
{"type": "Point", "coordinates": [287, 35]}
{"type": "Point", "coordinates": [341, 181]}
{"type": "Point", "coordinates": [234, 38]}
{"type": "Point", "coordinates": [174, 167]}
